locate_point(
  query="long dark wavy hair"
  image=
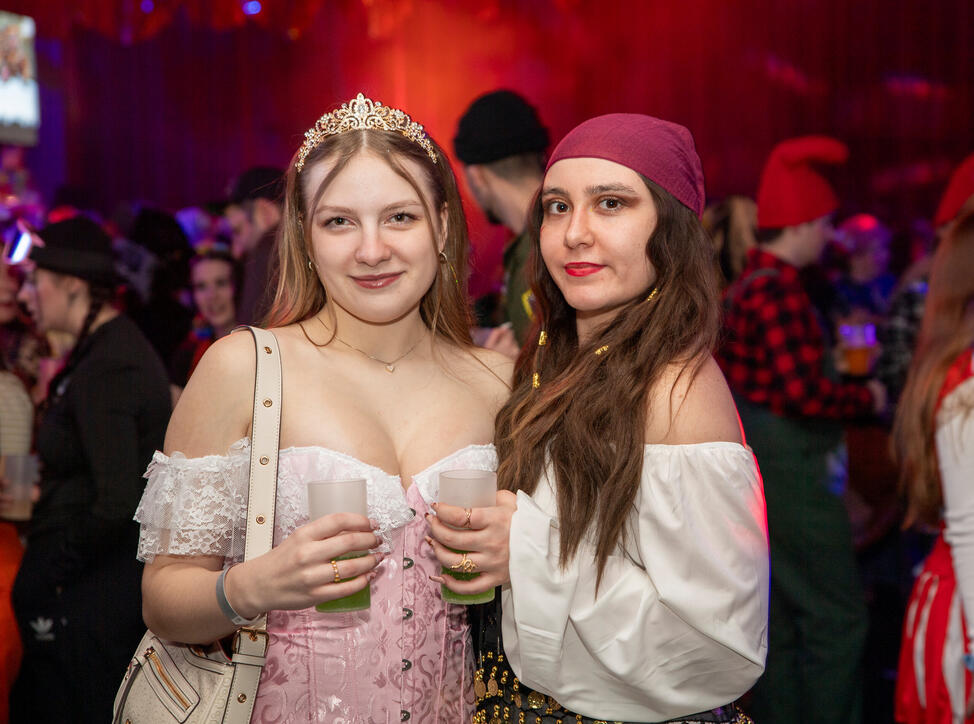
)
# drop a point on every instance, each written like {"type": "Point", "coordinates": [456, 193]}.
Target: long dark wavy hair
{"type": "Point", "coordinates": [588, 417]}
{"type": "Point", "coordinates": [947, 330]}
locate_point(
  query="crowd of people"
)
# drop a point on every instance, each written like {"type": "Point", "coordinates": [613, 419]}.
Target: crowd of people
{"type": "Point", "coordinates": [664, 389]}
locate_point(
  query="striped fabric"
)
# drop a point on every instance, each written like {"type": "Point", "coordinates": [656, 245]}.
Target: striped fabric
{"type": "Point", "coordinates": [16, 416]}
{"type": "Point", "coordinates": [933, 685]}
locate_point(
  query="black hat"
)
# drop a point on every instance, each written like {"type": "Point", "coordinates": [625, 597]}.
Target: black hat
{"type": "Point", "coordinates": [160, 233]}
{"type": "Point", "coordinates": [76, 246]}
{"type": "Point", "coordinates": [497, 125]}
{"type": "Point", "coordinates": [259, 182]}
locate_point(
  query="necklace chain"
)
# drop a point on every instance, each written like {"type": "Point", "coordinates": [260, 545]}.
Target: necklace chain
{"type": "Point", "coordinates": [390, 366]}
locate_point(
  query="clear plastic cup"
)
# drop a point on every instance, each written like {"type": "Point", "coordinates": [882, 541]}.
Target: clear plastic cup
{"type": "Point", "coordinates": [858, 342]}
{"type": "Point", "coordinates": [467, 489]}
{"type": "Point", "coordinates": [20, 472]}
{"type": "Point", "coordinates": [341, 496]}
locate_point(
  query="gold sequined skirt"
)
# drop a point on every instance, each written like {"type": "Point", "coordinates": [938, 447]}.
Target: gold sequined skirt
{"type": "Point", "coordinates": [502, 698]}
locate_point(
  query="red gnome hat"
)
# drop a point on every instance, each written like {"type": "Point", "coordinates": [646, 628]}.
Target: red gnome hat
{"type": "Point", "coordinates": [791, 191]}
{"type": "Point", "coordinates": [959, 189]}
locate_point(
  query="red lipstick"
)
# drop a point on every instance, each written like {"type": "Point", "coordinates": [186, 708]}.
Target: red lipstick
{"type": "Point", "coordinates": [376, 281]}
{"type": "Point", "coordinates": [582, 269]}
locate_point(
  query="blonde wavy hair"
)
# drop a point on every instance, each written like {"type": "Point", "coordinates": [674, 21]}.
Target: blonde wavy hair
{"type": "Point", "coordinates": [299, 293]}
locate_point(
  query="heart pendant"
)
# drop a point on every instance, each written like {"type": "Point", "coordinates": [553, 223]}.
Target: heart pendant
{"type": "Point", "coordinates": [390, 369]}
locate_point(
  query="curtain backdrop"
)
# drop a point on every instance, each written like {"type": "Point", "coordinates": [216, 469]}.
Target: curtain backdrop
{"type": "Point", "coordinates": [165, 101]}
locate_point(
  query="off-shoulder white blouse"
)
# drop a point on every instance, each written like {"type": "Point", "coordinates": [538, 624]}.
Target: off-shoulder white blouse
{"type": "Point", "coordinates": [679, 624]}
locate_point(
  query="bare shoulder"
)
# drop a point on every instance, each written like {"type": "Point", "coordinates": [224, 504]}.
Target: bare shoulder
{"type": "Point", "coordinates": [687, 408]}
{"type": "Point", "coordinates": [214, 410]}
{"type": "Point", "coordinates": [290, 335]}
{"type": "Point", "coordinates": [499, 364]}
{"type": "Point", "coordinates": [487, 371]}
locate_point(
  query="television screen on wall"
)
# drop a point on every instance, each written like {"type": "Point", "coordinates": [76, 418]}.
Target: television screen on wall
{"type": "Point", "coordinates": [20, 108]}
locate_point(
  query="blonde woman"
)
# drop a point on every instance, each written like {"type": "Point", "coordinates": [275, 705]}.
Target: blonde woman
{"type": "Point", "coordinates": [380, 381]}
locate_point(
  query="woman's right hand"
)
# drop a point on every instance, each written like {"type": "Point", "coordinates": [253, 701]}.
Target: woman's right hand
{"type": "Point", "coordinates": [299, 572]}
{"type": "Point", "coordinates": [880, 395]}
{"type": "Point", "coordinates": [501, 339]}
{"type": "Point", "coordinates": [485, 536]}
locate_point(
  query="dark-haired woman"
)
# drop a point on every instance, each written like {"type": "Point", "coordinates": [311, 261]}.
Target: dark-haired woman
{"type": "Point", "coordinates": [214, 276]}
{"type": "Point", "coordinates": [637, 556]}
{"type": "Point", "coordinates": [933, 435]}
{"type": "Point", "coordinates": [77, 596]}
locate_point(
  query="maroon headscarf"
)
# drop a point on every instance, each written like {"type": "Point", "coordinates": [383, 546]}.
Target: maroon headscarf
{"type": "Point", "coordinates": [661, 151]}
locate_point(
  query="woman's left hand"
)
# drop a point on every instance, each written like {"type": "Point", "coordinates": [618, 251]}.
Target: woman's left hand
{"type": "Point", "coordinates": [484, 534]}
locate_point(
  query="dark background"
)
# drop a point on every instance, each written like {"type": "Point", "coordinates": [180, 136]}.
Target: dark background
{"type": "Point", "coordinates": [164, 101]}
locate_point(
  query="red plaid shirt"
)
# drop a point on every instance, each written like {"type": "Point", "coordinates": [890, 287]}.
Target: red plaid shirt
{"type": "Point", "coordinates": [772, 351]}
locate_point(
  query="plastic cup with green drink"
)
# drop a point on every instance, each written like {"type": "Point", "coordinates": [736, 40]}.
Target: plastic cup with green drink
{"type": "Point", "coordinates": [341, 496]}
{"type": "Point", "coordinates": [467, 489]}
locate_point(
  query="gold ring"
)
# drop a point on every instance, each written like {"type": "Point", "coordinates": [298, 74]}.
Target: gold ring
{"type": "Point", "coordinates": [464, 565]}
{"type": "Point", "coordinates": [334, 565]}
{"type": "Point", "coordinates": [466, 522]}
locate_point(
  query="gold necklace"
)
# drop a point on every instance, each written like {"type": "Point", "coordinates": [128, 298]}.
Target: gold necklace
{"type": "Point", "coordinates": [390, 366]}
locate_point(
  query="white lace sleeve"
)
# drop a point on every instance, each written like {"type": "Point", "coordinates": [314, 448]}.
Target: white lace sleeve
{"type": "Point", "coordinates": [195, 506]}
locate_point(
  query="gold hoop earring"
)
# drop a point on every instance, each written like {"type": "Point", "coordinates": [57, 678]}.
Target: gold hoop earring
{"type": "Point", "coordinates": [311, 265]}
{"type": "Point", "coordinates": [444, 259]}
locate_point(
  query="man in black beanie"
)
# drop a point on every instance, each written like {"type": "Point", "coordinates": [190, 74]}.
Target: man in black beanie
{"type": "Point", "coordinates": [502, 146]}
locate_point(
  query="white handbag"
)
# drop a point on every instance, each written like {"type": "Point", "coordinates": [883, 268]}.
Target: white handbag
{"type": "Point", "coordinates": [174, 682]}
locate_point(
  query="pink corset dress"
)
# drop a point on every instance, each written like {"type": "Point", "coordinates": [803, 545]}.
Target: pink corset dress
{"type": "Point", "coordinates": [407, 658]}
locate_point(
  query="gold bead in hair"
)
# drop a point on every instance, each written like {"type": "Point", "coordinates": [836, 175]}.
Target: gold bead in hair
{"type": "Point", "coordinates": [363, 113]}
{"type": "Point", "coordinates": [604, 348]}
{"type": "Point", "coordinates": [536, 378]}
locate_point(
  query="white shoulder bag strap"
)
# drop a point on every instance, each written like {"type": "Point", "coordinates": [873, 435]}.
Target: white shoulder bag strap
{"type": "Point", "coordinates": [250, 642]}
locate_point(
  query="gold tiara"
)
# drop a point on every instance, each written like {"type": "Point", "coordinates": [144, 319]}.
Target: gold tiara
{"type": "Point", "coordinates": [361, 113]}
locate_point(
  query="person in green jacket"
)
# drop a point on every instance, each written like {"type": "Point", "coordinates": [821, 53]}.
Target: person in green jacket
{"type": "Point", "coordinates": [501, 143]}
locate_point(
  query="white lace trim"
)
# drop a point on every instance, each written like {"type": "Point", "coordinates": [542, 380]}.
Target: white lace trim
{"type": "Point", "coordinates": [386, 498]}
{"type": "Point", "coordinates": [198, 506]}
{"type": "Point", "coordinates": [195, 506]}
